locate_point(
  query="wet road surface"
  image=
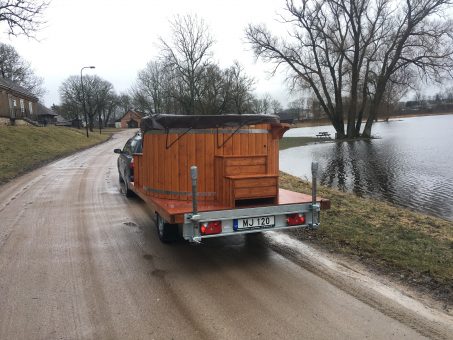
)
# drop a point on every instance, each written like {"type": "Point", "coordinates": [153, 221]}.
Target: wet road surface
{"type": "Point", "coordinates": [80, 261]}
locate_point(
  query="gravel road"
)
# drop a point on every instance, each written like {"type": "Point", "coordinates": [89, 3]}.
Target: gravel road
{"type": "Point", "coordinates": [80, 261]}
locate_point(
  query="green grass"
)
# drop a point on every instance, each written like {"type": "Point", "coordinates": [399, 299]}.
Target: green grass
{"type": "Point", "coordinates": [23, 148]}
{"type": "Point", "coordinates": [413, 246]}
{"type": "Point", "coordinates": [291, 142]}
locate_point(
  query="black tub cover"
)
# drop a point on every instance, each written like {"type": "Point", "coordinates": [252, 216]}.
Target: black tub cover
{"type": "Point", "coordinates": [169, 121]}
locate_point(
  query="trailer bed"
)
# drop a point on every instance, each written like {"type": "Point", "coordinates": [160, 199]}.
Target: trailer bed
{"type": "Point", "coordinates": [173, 210]}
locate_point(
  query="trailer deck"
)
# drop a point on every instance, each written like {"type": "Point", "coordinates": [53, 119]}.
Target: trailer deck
{"type": "Point", "coordinates": [173, 210]}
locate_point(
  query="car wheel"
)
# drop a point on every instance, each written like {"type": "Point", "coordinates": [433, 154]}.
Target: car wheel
{"type": "Point", "coordinates": [125, 188]}
{"type": "Point", "coordinates": [167, 232]}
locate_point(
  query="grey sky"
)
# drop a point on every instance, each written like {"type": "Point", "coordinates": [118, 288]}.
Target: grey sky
{"type": "Point", "coordinates": [120, 37]}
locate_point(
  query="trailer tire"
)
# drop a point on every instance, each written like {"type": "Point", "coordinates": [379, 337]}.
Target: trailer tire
{"type": "Point", "coordinates": [167, 232]}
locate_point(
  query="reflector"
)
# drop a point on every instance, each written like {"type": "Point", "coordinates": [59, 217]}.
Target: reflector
{"type": "Point", "coordinates": [295, 219]}
{"type": "Point", "coordinates": [210, 228]}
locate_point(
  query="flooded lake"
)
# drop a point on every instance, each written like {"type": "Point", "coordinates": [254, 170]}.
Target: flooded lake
{"type": "Point", "coordinates": [411, 164]}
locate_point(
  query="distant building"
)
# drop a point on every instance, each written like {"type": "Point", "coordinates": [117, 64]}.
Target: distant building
{"type": "Point", "coordinates": [44, 115]}
{"type": "Point", "coordinates": [288, 115]}
{"type": "Point", "coordinates": [131, 119]}
{"type": "Point", "coordinates": [16, 102]}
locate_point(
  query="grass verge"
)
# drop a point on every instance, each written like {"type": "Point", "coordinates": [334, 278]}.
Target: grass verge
{"type": "Point", "coordinates": [291, 142]}
{"type": "Point", "coordinates": [23, 148]}
{"type": "Point", "coordinates": [412, 247]}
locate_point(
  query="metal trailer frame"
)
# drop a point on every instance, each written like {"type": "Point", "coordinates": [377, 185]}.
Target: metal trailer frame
{"type": "Point", "coordinates": [192, 221]}
{"type": "Point", "coordinates": [191, 226]}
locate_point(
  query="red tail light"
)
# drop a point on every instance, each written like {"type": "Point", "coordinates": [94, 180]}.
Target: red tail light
{"type": "Point", "coordinates": [210, 228]}
{"type": "Point", "coordinates": [295, 219]}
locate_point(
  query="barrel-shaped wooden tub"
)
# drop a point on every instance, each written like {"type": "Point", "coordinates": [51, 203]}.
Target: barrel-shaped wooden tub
{"type": "Point", "coordinates": [236, 157]}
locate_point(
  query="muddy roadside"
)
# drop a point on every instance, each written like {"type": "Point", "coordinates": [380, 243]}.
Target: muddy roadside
{"type": "Point", "coordinates": [409, 249]}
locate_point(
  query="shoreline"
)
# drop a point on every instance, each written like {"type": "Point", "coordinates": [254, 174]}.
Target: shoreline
{"type": "Point", "coordinates": [326, 121]}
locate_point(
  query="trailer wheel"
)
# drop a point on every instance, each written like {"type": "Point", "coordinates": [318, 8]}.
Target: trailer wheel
{"type": "Point", "coordinates": [167, 232]}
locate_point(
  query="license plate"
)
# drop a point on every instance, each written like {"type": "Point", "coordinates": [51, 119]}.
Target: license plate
{"type": "Point", "coordinates": [254, 223]}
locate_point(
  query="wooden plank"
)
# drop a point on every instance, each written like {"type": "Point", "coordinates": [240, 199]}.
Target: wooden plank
{"type": "Point", "coordinates": [242, 193]}
{"type": "Point", "coordinates": [228, 146]}
{"type": "Point", "coordinates": [239, 156]}
{"type": "Point", "coordinates": [270, 158]}
{"type": "Point", "coordinates": [237, 144]}
{"type": "Point", "coordinates": [209, 159]}
{"type": "Point", "coordinates": [252, 142]}
{"type": "Point", "coordinates": [200, 162]}
{"type": "Point", "coordinates": [174, 168]}
{"type": "Point", "coordinates": [183, 167]}
{"type": "Point", "coordinates": [255, 182]}
{"type": "Point", "coordinates": [243, 170]}
{"type": "Point", "coordinates": [154, 167]}
{"type": "Point", "coordinates": [260, 160]}
{"type": "Point", "coordinates": [217, 177]}
{"type": "Point", "coordinates": [218, 141]}
{"type": "Point", "coordinates": [190, 158]}
{"type": "Point", "coordinates": [161, 164]}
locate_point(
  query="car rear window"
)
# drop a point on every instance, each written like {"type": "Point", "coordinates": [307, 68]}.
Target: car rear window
{"type": "Point", "coordinates": [136, 145]}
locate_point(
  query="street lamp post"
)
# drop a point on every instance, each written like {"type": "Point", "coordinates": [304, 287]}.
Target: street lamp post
{"type": "Point", "coordinates": [83, 97]}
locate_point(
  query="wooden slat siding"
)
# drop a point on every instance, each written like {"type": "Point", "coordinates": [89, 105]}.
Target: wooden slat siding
{"type": "Point", "coordinates": [190, 158]}
{"type": "Point", "coordinates": [154, 166]}
{"type": "Point", "coordinates": [236, 143]}
{"type": "Point", "coordinates": [209, 159]}
{"type": "Point", "coordinates": [146, 161]}
{"type": "Point", "coordinates": [274, 155]}
{"type": "Point", "coordinates": [216, 178]}
{"type": "Point", "coordinates": [183, 172]}
{"type": "Point", "coordinates": [229, 191]}
{"type": "Point", "coordinates": [270, 153]}
{"type": "Point", "coordinates": [228, 146]}
{"type": "Point", "coordinates": [218, 141]}
{"type": "Point", "coordinates": [155, 184]}
{"type": "Point", "coordinates": [162, 169]}
{"type": "Point", "coordinates": [276, 143]}
{"type": "Point", "coordinates": [245, 143]}
{"type": "Point", "coordinates": [243, 154]}
{"type": "Point", "coordinates": [174, 166]}
{"type": "Point", "coordinates": [199, 161]}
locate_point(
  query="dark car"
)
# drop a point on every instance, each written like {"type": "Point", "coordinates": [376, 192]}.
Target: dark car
{"type": "Point", "coordinates": [126, 162]}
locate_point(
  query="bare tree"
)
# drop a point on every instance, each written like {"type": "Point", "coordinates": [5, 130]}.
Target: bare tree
{"type": "Point", "coordinates": [13, 67]}
{"type": "Point", "coordinates": [98, 93]}
{"type": "Point", "coordinates": [124, 102]}
{"type": "Point", "coordinates": [188, 53]}
{"type": "Point", "coordinates": [355, 48]}
{"type": "Point", "coordinates": [241, 88]}
{"type": "Point", "coordinates": [22, 16]}
{"type": "Point", "coordinates": [151, 83]}
{"type": "Point", "coordinates": [276, 106]}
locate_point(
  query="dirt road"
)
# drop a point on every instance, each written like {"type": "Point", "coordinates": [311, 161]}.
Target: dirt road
{"type": "Point", "coordinates": [80, 261]}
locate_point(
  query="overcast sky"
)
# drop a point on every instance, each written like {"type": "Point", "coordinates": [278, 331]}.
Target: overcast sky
{"type": "Point", "coordinates": [120, 37]}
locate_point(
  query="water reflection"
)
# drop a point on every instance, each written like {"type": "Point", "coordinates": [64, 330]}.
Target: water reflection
{"type": "Point", "coordinates": [356, 166]}
{"type": "Point", "coordinates": [411, 165]}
